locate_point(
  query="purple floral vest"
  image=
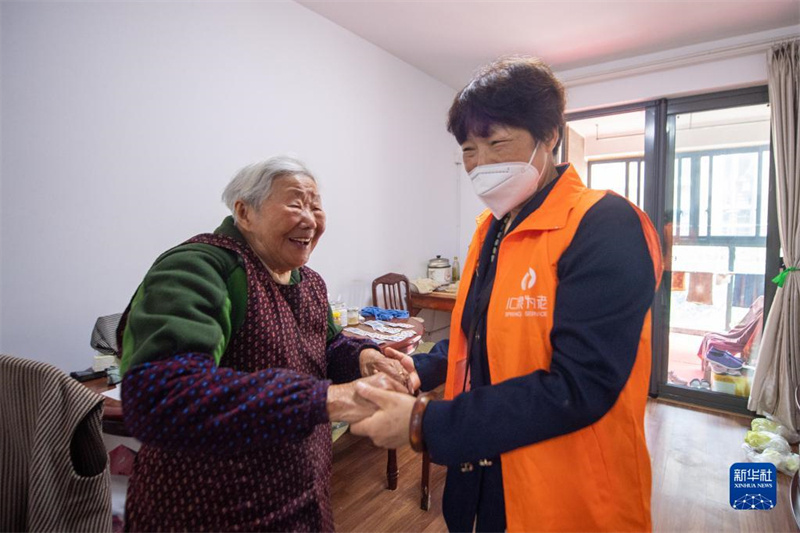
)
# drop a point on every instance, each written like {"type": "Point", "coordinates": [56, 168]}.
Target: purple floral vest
{"type": "Point", "coordinates": [284, 487]}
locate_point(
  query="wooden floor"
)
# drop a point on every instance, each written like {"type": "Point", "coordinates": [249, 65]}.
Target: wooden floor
{"type": "Point", "coordinates": [691, 452]}
{"type": "Point", "coordinates": [359, 496]}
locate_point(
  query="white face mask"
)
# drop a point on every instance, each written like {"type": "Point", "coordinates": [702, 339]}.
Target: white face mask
{"type": "Point", "coordinates": [503, 186]}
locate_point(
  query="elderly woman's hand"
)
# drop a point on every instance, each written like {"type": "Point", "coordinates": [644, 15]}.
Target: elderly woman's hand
{"type": "Point", "coordinates": [371, 361]}
{"type": "Point", "coordinates": [344, 405]}
{"type": "Point", "coordinates": [388, 426]}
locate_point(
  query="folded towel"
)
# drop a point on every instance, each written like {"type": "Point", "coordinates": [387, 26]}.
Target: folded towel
{"type": "Point", "coordinates": [425, 285]}
{"type": "Point", "coordinates": [383, 314]}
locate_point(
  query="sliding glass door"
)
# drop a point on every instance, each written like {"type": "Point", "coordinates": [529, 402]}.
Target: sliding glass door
{"type": "Point", "coordinates": [700, 167]}
{"type": "Point", "coordinates": [717, 222]}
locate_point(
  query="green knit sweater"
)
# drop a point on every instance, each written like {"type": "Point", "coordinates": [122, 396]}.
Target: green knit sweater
{"type": "Point", "coordinates": [193, 299]}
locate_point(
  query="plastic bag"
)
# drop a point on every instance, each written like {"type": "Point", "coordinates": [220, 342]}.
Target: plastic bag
{"type": "Point", "coordinates": [764, 424]}
{"type": "Point", "coordinates": [774, 426]}
{"type": "Point", "coordinates": [786, 462]}
{"type": "Point", "coordinates": [763, 440]}
{"type": "Point", "coordinates": [792, 462]}
{"type": "Point", "coordinates": [767, 443]}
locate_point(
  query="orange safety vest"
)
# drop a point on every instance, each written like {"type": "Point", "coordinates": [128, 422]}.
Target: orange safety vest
{"type": "Point", "coordinates": [593, 479]}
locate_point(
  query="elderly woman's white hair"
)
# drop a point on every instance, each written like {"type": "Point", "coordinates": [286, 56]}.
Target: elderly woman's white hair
{"type": "Point", "coordinates": [253, 183]}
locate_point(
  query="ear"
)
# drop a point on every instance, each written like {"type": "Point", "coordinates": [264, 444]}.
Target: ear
{"type": "Point", "coordinates": [244, 215]}
{"type": "Point", "coordinates": [551, 141]}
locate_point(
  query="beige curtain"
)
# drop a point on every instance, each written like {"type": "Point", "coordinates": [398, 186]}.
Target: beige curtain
{"type": "Point", "coordinates": [778, 370]}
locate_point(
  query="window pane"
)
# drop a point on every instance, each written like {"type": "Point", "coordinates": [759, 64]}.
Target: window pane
{"type": "Point", "coordinates": [641, 184]}
{"type": "Point", "coordinates": [734, 194]}
{"type": "Point", "coordinates": [603, 139]}
{"type": "Point", "coordinates": [692, 307]}
{"type": "Point", "coordinates": [609, 176]}
{"type": "Point", "coordinates": [705, 163]}
{"type": "Point", "coordinates": [683, 197]}
{"type": "Point", "coordinates": [633, 183]}
{"type": "Point", "coordinates": [718, 280]}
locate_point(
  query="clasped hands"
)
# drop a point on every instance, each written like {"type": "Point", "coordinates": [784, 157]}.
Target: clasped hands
{"type": "Point", "coordinates": [379, 404]}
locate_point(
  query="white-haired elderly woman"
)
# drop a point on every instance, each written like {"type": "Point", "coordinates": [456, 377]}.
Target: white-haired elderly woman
{"type": "Point", "coordinates": [229, 352]}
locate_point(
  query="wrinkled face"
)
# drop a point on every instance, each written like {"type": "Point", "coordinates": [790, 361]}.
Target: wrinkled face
{"type": "Point", "coordinates": [285, 229]}
{"type": "Point", "coordinates": [504, 144]}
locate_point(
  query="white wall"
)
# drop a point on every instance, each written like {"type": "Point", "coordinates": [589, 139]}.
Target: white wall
{"type": "Point", "coordinates": [576, 151]}
{"type": "Point", "coordinates": [122, 123]}
{"type": "Point", "coordinates": [1, 180]}
{"type": "Point", "coordinates": [728, 73]}
{"type": "Point", "coordinates": [469, 208]}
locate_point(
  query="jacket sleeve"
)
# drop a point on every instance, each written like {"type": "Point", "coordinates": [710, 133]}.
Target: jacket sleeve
{"type": "Point", "coordinates": [182, 306]}
{"type": "Point", "coordinates": [342, 353]}
{"type": "Point", "coordinates": [187, 402]}
{"type": "Point", "coordinates": [432, 366]}
{"type": "Point", "coordinates": [606, 286]}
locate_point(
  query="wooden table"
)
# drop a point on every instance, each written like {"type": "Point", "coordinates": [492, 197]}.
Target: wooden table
{"type": "Point", "coordinates": [112, 409]}
{"type": "Point", "coordinates": [438, 301]}
{"type": "Point", "coordinates": [406, 345]}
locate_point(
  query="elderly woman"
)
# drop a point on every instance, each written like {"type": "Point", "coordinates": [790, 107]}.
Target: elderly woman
{"type": "Point", "coordinates": [547, 369]}
{"type": "Point", "coordinates": [229, 352]}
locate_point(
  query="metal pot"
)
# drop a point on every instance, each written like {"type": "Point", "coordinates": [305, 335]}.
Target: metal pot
{"type": "Point", "coordinates": [439, 270]}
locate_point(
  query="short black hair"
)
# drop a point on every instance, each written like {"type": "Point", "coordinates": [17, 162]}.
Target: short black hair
{"type": "Point", "coordinates": [512, 91]}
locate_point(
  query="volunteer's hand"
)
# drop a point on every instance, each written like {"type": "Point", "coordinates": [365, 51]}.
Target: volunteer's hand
{"type": "Point", "coordinates": [344, 405]}
{"type": "Point", "coordinates": [407, 362]}
{"type": "Point", "coordinates": [388, 425]}
{"type": "Point", "coordinates": [371, 361]}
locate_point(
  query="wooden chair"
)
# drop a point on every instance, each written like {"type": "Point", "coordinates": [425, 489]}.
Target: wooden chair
{"type": "Point", "coordinates": [391, 291]}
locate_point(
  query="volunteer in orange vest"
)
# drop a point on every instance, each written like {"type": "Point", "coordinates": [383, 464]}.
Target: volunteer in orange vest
{"type": "Point", "coordinates": [548, 362]}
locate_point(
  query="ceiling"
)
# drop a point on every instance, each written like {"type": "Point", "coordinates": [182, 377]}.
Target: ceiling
{"type": "Point", "coordinates": [449, 39]}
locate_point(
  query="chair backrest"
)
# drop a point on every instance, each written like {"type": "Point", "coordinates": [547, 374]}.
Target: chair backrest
{"type": "Point", "coordinates": [390, 291]}
{"type": "Point", "coordinates": [750, 321]}
{"type": "Point", "coordinates": [750, 328]}
{"type": "Point", "coordinates": [53, 466]}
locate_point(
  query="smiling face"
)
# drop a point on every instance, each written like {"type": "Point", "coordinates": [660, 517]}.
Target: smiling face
{"type": "Point", "coordinates": [285, 229]}
{"type": "Point", "coordinates": [503, 144]}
